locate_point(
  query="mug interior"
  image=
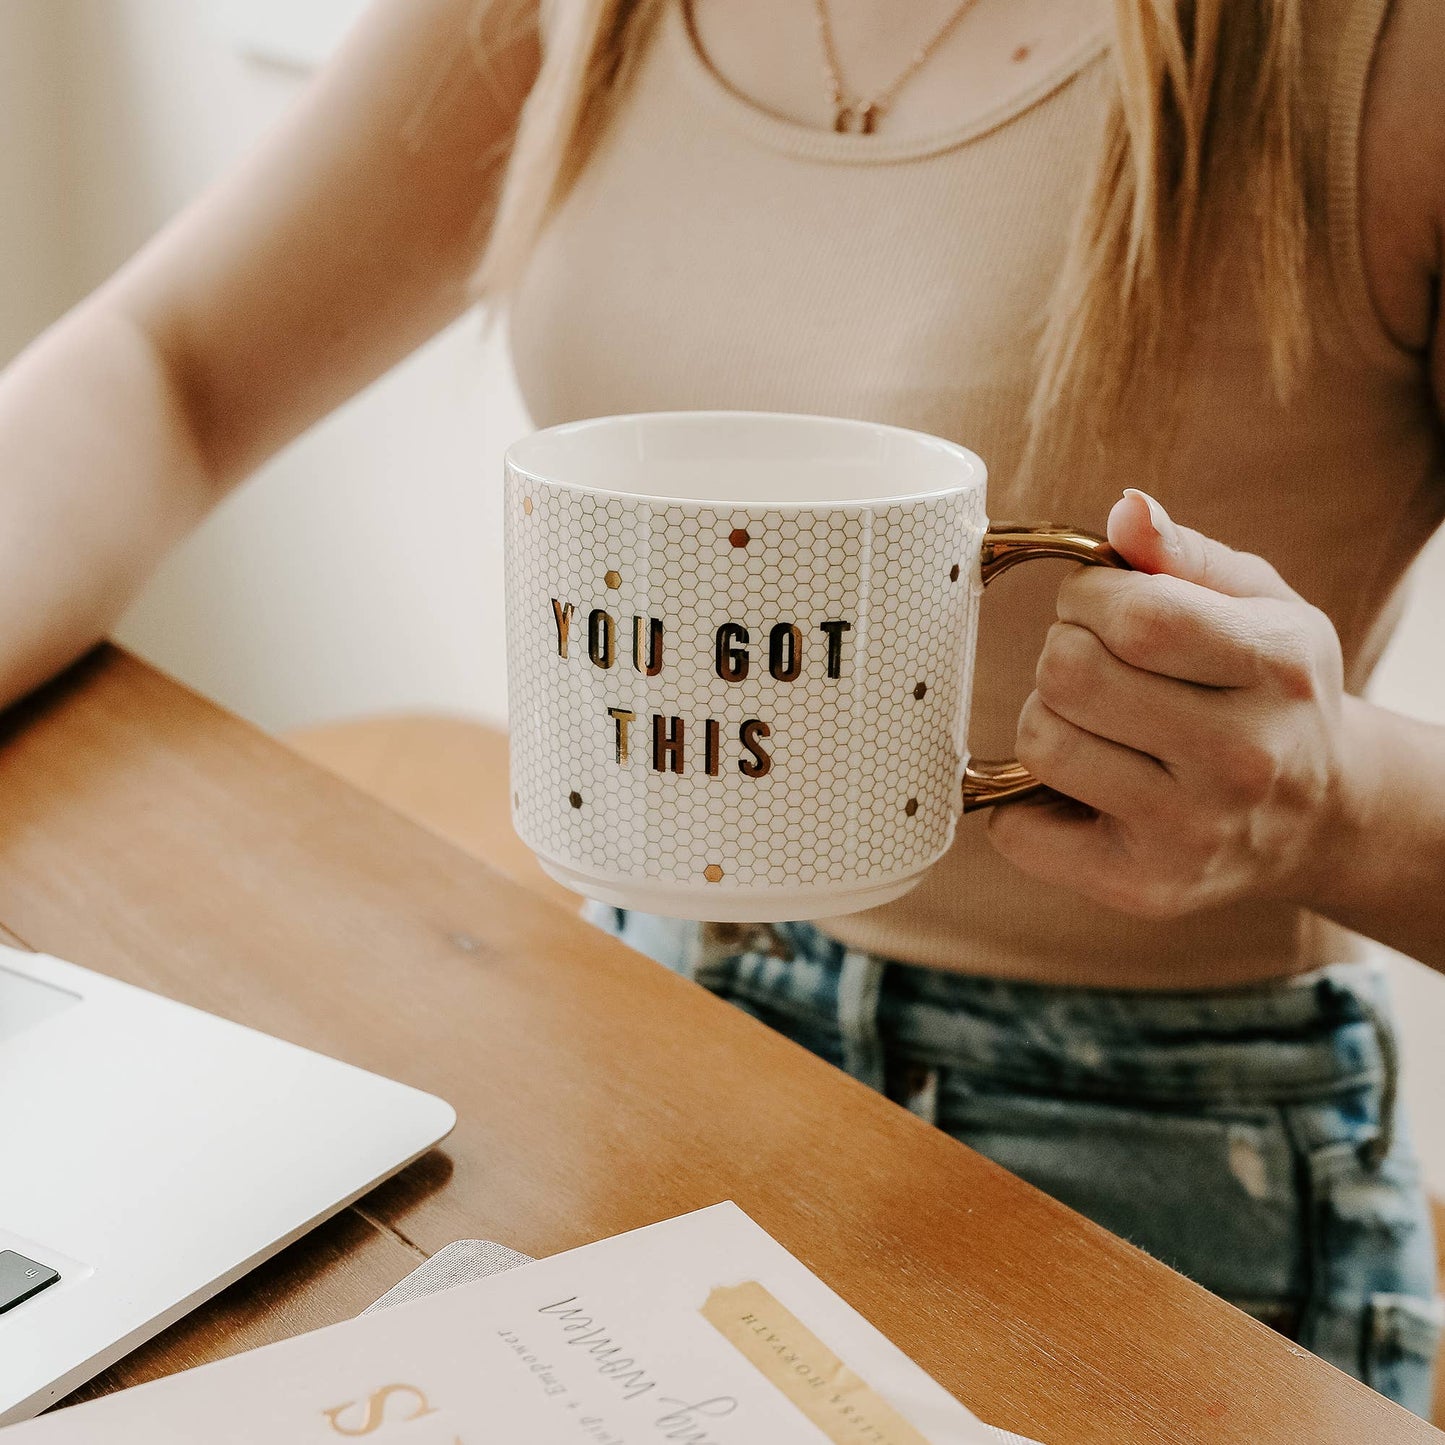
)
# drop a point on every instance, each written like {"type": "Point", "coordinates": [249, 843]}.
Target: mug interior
{"type": "Point", "coordinates": [746, 458]}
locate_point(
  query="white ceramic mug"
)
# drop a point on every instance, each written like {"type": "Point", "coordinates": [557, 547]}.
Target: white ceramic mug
{"type": "Point", "coordinates": [740, 648]}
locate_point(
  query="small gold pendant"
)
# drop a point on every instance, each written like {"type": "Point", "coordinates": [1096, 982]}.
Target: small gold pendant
{"type": "Point", "coordinates": [856, 119]}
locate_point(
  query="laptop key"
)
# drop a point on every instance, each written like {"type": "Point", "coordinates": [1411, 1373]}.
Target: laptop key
{"type": "Point", "coordinates": [20, 1278]}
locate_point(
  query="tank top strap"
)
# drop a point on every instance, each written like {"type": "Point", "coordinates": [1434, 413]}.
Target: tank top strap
{"type": "Point", "coordinates": [1341, 37]}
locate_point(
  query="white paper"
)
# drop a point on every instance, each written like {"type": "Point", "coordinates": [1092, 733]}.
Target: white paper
{"type": "Point", "coordinates": [604, 1345]}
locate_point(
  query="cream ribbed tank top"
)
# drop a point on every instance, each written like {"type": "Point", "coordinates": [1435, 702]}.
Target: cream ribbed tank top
{"type": "Point", "coordinates": [712, 255]}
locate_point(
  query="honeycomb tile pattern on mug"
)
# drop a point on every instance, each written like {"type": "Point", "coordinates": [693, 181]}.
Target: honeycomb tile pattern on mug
{"type": "Point", "coordinates": [782, 776]}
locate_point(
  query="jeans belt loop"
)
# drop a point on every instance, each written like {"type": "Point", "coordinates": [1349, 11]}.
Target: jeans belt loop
{"type": "Point", "coordinates": [1376, 1149]}
{"type": "Point", "coordinates": [860, 986]}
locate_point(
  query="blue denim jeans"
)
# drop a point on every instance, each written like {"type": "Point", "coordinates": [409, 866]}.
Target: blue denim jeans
{"type": "Point", "coordinates": [1251, 1139]}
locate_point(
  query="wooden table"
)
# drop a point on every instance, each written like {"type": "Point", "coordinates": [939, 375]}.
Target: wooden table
{"type": "Point", "coordinates": [149, 835]}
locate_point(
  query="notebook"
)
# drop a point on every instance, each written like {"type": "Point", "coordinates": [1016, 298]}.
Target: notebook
{"type": "Point", "coordinates": [470, 1259]}
{"type": "Point", "coordinates": [700, 1329]}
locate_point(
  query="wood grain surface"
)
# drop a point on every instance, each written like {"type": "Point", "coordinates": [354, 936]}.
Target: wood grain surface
{"type": "Point", "coordinates": [149, 835]}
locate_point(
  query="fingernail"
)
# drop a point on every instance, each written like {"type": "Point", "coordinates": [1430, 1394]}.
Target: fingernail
{"type": "Point", "coordinates": [1162, 522]}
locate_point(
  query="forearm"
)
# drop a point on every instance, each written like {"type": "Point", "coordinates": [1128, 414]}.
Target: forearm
{"type": "Point", "coordinates": [99, 475]}
{"type": "Point", "coordinates": [1382, 872]}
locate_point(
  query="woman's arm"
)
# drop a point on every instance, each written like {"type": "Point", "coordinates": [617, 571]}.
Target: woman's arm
{"type": "Point", "coordinates": [1382, 870]}
{"type": "Point", "coordinates": [1196, 705]}
{"type": "Point", "coordinates": [340, 246]}
{"type": "Point", "coordinates": [1385, 877]}
{"type": "Point", "coordinates": [1386, 873]}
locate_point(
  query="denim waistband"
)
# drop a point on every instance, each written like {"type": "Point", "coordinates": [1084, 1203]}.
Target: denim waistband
{"type": "Point", "coordinates": [1289, 1041]}
{"type": "Point", "coordinates": [1278, 1042]}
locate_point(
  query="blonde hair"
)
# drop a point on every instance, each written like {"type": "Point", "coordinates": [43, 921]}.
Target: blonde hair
{"type": "Point", "coordinates": [1204, 127]}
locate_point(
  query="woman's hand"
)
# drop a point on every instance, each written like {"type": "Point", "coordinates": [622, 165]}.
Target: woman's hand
{"type": "Point", "coordinates": [1192, 713]}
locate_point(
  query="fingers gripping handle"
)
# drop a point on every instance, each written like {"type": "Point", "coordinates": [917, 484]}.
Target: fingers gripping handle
{"type": "Point", "coordinates": [1004, 546]}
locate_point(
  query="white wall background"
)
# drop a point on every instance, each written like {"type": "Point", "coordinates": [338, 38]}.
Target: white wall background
{"type": "Point", "coordinates": [360, 571]}
{"type": "Point", "coordinates": [32, 181]}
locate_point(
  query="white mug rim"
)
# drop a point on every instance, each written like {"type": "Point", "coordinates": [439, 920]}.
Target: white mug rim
{"type": "Point", "coordinates": [977, 467]}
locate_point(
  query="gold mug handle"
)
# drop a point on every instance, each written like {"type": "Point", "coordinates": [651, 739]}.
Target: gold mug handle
{"type": "Point", "coordinates": [1005, 546]}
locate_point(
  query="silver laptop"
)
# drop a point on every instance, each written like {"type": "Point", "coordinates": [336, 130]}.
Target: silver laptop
{"type": "Point", "coordinates": [150, 1154]}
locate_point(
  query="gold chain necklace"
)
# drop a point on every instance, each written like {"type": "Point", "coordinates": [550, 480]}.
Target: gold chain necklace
{"type": "Point", "coordinates": [858, 116]}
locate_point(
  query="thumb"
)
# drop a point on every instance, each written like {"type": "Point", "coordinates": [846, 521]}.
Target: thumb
{"type": "Point", "coordinates": [1145, 535]}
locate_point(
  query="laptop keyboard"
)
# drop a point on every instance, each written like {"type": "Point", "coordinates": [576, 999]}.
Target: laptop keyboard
{"type": "Point", "coordinates": [20, 1278]}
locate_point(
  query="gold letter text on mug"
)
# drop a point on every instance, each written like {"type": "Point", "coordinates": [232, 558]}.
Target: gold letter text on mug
{"type": "Point", "coordinates": [791, 649]}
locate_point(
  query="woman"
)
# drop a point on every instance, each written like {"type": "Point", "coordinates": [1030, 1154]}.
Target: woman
{"type": "Point", "coordinates": [1194, 247]}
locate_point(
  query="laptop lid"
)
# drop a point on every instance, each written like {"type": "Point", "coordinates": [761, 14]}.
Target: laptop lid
{"type": "Point", "coordinates": [151, 1153]}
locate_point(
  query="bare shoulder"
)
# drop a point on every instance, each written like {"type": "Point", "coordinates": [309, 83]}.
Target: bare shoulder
{"type": "Point", "coordinates": [1402, 169]}
{"type": "Point", "coordinates": [348, 237]}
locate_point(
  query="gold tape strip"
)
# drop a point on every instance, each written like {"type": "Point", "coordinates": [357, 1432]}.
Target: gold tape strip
{"type": "Point", "coordinates": [789, 1355]}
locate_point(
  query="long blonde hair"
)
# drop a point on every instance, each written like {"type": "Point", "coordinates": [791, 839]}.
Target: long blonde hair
{"type": "Point", "coordinates": [1204, 126]}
